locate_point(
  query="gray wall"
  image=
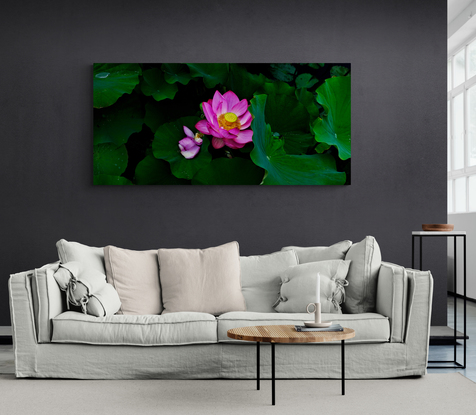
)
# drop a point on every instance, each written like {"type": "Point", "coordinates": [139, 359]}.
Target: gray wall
{"type": "Point", "coordinates": [397, 49]}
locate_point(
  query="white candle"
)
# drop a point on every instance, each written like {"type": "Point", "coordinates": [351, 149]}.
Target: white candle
{"type": "Point", "coordinates": [318, 288]}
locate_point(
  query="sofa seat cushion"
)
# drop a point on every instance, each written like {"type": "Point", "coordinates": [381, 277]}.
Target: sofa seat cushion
{"type": "Point", "coordinates": [369, 327]}
{"type": "Point", "coordinates": [145, 330]}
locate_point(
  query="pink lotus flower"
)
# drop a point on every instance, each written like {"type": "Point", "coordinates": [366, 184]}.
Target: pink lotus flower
{"type": "Point", "coordinates": [227, 120]}
{"type": "Point", "coordinates": [190, 145]}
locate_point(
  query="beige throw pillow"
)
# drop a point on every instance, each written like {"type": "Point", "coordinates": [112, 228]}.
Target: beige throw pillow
{"type": "Point", "coordinates": [201, 280]}
{"type": "Point", "coordinates": [135, 276]}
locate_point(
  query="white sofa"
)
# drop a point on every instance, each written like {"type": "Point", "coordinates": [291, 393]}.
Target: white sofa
{"type": "Point", "coordinates": [50, 341]}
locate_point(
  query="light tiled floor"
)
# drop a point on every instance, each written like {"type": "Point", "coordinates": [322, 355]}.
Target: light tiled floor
{"type": "Point", "coordinates": [7, 365]}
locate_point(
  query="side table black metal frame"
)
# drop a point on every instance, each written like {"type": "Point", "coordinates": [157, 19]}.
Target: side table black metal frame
{"type": "Point", "coordinates": [454, 234]}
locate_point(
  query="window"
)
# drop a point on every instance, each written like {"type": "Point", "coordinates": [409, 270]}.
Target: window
{"type": "Point", "coordinates": [462, 130]}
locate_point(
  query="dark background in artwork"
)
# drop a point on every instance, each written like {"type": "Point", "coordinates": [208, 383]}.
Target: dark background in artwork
{"type": "Point", "coordinates": [398, 127]}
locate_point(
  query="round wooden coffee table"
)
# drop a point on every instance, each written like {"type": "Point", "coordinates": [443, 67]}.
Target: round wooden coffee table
{"type": "Point", "coordinates": [288, 334]}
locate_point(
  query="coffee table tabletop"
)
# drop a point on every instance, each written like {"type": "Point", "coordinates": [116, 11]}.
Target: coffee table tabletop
{"type": "Point", "coordinates": [287, 334]}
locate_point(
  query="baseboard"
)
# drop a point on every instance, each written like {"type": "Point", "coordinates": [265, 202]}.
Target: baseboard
{"type": "Point", "coordinates": [6, 335]}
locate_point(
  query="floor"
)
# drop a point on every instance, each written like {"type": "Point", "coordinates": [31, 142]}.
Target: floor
{"type": "Point", "coordinates": [447, 352]}
{"type": "Point", "coordinates": [436, 352]}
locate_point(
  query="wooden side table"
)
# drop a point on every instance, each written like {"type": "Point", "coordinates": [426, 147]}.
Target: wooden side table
{"type": "Point", "coordinates": [288, 334]}
{"type": "Point", "coordinates": [446, 234]}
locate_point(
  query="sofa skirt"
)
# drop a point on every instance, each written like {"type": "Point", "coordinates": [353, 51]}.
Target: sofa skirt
{"type": "Point", "coordinates": [209, 361]}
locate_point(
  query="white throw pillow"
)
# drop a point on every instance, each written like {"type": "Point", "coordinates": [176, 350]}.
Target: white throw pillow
{"type": "Point", "coordinates": [299, 286]}
{"type": "Point", "coordinates": [320, 253]}
{"type": "Point", "coordinates": [87, 288]}
{"type": "Point", "coordinates": [90, 256]}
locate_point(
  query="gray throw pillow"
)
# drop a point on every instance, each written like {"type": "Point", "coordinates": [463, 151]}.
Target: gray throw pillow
{"type": "Point", "coordinates": [260, 278]}
{"type": "Point", "coordinates": [363, 273]}
{"type": "Point", "coordinates": [299, 285]}
{"type": "Point", "coordinates": [320, 253]}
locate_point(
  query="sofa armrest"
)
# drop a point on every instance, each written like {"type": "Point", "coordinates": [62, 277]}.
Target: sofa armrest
{"type": "Point", "coordinates": [392, 298]}
{"type": "Point", "coordinates": [404, 296]}
{"type": "Point", "coordinates": [42, 295]}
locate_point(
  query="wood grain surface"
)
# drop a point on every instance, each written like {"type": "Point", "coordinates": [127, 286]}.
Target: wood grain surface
{"type": "Point", "coordinates": [287, 334]}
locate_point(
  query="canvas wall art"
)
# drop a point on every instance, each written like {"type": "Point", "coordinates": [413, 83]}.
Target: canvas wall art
{"type": "Point", "coordinates": [222, 124]}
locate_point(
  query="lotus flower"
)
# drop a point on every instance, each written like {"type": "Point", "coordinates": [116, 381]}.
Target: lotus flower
{"type": "Point", "coordinates": [190, 145]}
{"type": "Point", "coordinates": [227, 120]}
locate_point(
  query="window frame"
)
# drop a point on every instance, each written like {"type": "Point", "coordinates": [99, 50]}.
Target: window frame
{"type": "Point", "coordinates": [452, 93]}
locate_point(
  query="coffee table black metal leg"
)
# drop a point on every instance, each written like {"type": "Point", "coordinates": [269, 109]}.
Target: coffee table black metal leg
{"type": "Point", "coordinates": [343, 365]}
{"type": "Point", "coordinates": [257, 365]}
{"type": "Point", "coordinates": [272, 374]}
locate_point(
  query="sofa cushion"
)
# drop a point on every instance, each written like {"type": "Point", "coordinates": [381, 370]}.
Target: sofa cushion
{"type": "Point", "coordinates": [201, 280]}
{"type": "Point", "coordinates": [320, 253]}
{"type": "Point", "coordinates": [135, 276]}
{"type": "Point", "coordinates": [90, 256]}
{"type": "Point", "coordinates": [363, 274]}
{"type": "Point", "coordinates": [261, 278]}
{"type": "Point", "coordinates": [369, 327]}
{"type": "Point", "coordinates": [151, 330]}
{"type": "Point", "coordinates": [299, 284]}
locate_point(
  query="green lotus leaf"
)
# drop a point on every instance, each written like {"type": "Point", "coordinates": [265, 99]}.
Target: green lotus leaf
{"type": "Point", "coordinates": [322, 147]}
{"type": "Point", "coordinates": [308, 99]}
{"type": "Point", "coordinates": [165, 147]}
{"type": "Point", "coordinates": [212, 73]}
{"type": "Point", "coordinates": [154, 83]}
{"type": "Point", "coordinates": [283, 110]}
{"type": "Point", "coordinates": [283, 71]}
{"type": "Point", "coordinates": [334, 129]}
{"type": "Point", "coordinates": [243, 83]}
{"type": "Point", "coordinates": [154, 115]}
{"type": "Point", "coordinates": [229, 171]}
{"type": "Point", "coordinates": [297, 142]}
{"type": "Point", "coordinates": [305, 80]}
{"type": "Point", "coordinates": [282, 168]}
{"type": "Point", "coordinates": [276, 88]}
{"type": "Point", "coordinates": [339, 71]}
{"type": "Point", "coordinates": [111, 81]}
{"type": "Point", "coordinates": [109, 159]}
{"type": "Point", "coordinates": [154, 171]}
{"type": "Point", "coordinates": [316, 65]}
{"type": "Point", "coordinates": [176, 72]}
{"type": "Point", "coordinates": [105, 179]}
{"type": "Point", "coordinates": [115, 124]}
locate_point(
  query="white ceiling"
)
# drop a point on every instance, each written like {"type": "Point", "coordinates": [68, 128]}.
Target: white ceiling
{"type": "Point", "coordinates": [455, 7]}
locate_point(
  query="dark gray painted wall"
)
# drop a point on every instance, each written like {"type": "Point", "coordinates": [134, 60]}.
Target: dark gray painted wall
{"type": "Point", "coordinates": [398, 54]}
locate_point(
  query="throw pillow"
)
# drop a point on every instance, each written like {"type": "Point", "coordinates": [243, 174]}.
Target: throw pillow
{"type": "Point", "coordinates": [320, 253]}
{"type": "Point", "coordinates": [135, 276]}
{"type": "Point", "coordinates": [201, 280]}
{"type": "Point", "coordinates": [260, 278]}
{"type": "Point", "coordinates": [91, 256]}
{"type": "Point", "coordinates": [299, 285]}
{"type": "Point", "coordinates": [87, 288]}
{"type": "Point", "coordinates": [363, 273]}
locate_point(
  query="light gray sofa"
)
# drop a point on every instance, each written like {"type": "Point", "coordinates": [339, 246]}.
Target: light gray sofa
{"type": "Point", "coordinates": [50, 341]}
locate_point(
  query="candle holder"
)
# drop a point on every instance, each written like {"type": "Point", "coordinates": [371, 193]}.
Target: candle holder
{"type": "Point", "coordinates": [317, 317]}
